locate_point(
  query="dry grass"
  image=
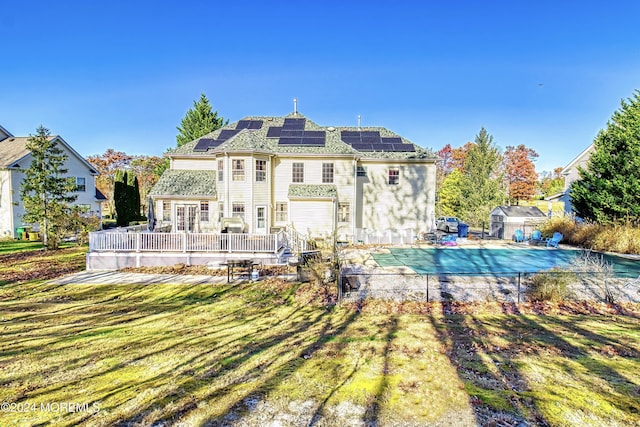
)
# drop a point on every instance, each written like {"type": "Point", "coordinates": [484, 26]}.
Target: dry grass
{"type": "Point", "coordinates": [260, 353]}
{"type": "Point", "coordinates": [624, 239]}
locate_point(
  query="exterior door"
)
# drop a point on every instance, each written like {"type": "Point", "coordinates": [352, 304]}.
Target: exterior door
{"type": "Point", "coordinates": [186, 217]}
{"type": "Point", "coordinates": [261, 219]}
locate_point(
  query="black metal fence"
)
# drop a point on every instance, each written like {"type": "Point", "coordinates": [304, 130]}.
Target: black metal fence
{"type": "Point", "coordinates": [514, 287]}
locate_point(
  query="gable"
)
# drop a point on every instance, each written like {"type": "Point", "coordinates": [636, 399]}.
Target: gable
{"type": "Point", "coordinates": [519, 211]}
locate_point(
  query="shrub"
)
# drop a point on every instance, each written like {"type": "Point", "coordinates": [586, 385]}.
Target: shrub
{"type": "Point", "coordinates": [551, 285]}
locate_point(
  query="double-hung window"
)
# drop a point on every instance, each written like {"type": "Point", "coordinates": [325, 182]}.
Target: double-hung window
{"type": "Point", "coordinates": [327, 173]}
{"type": "Point", "coordinates": [297, 172]}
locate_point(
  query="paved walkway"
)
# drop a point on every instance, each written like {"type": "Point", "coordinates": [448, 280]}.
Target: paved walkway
{"type": "Point", "coordinates": [116, 278]}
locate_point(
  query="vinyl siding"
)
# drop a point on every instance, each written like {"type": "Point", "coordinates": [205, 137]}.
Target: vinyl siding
{"type": "Point", "coordinates": [312, 217]}
{"type": "Point", "coordinates": [195, 164]}
{"type": "Point", "coordinates": [408, 205]}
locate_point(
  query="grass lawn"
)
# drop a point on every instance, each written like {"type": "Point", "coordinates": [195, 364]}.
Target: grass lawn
{"type": "Point", "coordinates": [261, 354]}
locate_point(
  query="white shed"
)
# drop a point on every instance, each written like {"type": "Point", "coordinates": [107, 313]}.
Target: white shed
{"type": "Point", "coordinates": [505, 220]}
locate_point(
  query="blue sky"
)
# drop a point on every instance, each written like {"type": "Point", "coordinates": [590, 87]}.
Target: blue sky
{"type": "Point", "coordinates": [122, 74]}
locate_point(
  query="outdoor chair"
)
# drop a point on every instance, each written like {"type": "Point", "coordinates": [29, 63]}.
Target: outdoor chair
{"type": "Point", "coordinates": [536, 237]}
{"type": "Point", "coordinates": [449, 240]}
{"type": "Point", "coordinates": [553, 241]}
{"type": "Point", "coordinates": [518, 236]}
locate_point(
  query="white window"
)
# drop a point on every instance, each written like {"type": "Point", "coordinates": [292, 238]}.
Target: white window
{"type": "Point", "coordinates": [220, 170]}
{"type": "Point", "coordinates": [261, 170]}
{"type": "Point", "coordinates": [237, 210]}
{"type": "Point", "coordinates": [166, 210]}
{"type": "Point", "coordinates": [204, 211]}
{"type": "Point", "coordinates": [81, 184]}
{"type": "Point", "coordinates": [297, 172]}
{"type": "Point", "coordinates": [281, 211]}
{"type": "Point", "coordinates": [394, 176]}
{"type": "Point", "coordinates": [237, 170]}
{"type": "Point", "coordinates": [220, 211]}
{"type": "Point", "coordinates": [327, 173]}
{"type": "Point", "coordinates": [361, 171]}
{"type": "Point", "coordinates": [343, 212]}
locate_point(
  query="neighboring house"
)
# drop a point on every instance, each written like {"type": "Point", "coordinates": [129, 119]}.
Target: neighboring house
{"type": "Point", "coordinates": [14, 157]}
{"type": "Point", "coordinates": [571, 174]}
{"type": "Point", "coordinates": [273, 172]}
{"type": "Point", "coordinates": [505, 220]}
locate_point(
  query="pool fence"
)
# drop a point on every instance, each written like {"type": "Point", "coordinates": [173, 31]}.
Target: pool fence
{"type": "Point", "coordinates": [511, 287]}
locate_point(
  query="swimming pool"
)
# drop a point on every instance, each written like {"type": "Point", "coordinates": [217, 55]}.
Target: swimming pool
{"type": "Point", "coordinates": [490, 261]}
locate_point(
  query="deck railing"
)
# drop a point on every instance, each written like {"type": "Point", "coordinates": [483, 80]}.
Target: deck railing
{"type": "Point", "coordinates": [121, 241]}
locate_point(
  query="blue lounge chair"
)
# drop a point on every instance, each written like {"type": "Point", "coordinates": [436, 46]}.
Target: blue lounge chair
{"type": "Point", "coordinates": [554, 240]}
{"type": "Point", "coordinates": [518, 236]}
{"type": "Point", "coordinates": [536, 237]}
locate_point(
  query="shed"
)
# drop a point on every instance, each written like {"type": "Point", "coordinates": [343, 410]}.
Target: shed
{"type": "Point", "coordinates": [505, 220]}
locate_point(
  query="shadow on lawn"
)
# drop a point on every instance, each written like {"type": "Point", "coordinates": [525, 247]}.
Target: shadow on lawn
{"type": "Point", "coordinates": [500, 392]}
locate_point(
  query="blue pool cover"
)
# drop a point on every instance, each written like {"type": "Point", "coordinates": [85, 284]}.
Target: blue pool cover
{"type": "Point", "coordinates": [494, 261]}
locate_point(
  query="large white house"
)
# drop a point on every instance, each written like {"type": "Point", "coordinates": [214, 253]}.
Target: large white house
{"type": "Point", "coordinates": [267, 173]}
{"type": "Point", "coordinates": [15, 157]}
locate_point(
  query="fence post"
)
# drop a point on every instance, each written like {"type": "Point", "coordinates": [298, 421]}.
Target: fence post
{"type": "Point", "coordinates": [427, 288]}
{"type": "Point", "coordinates": [518, 287]}
{"type": "Point", "coordinates": [138, 239]}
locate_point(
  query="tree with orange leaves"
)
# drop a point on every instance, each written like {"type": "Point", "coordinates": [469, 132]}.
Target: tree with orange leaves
{"type": "Point", "coordinates": [520, 172]}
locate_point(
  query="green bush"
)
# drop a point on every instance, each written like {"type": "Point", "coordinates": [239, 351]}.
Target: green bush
{"type": "Point", "coordinates": [551, 285]}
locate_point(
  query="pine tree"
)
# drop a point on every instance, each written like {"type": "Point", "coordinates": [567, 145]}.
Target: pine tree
{"type": "Point", "coordinates": [609, 188]}
{"type": "Point", "coordinates": [120, 198]}
{"type": "Point", "coordinates": [199, 121]}
{"type": "Point", "coordinates": [481, 186]}
{"type": "Point", "coordinates": [45, 190]}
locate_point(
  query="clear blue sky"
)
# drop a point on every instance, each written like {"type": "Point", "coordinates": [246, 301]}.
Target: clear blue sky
{"type": "Point", "coordinates": [122, 74]}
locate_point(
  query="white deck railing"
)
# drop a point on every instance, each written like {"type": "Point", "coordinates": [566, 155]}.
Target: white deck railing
{"type": "Point", "coordinates": [122, 241]}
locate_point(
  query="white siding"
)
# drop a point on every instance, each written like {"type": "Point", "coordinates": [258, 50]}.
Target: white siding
{"type": "Point", "coordinates": [407, 205]}
{"type": "Point", "coordinates": [195, 164]}
{"type": "Point", "coordinates": [6, 219]}
{"type": "Point", "coordinates": [312, 217]}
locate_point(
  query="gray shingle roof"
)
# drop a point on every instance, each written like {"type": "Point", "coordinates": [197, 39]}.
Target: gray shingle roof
{"type": "Point", "coordinates": [522, 211]}
{"type": "Point", "coordinates": [256, 140]}
{"type": "Point", "coordinates": [313, 191]}
{"type": "Point", "coordinates": [186, 183]}
{"type": "Point", "coordinates": [13, 149]}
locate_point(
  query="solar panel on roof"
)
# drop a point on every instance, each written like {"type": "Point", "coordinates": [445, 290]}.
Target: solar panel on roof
{"type": "Point", "coordinates": [287, 133]}
{"type": "Point", "coordinates": [312, 141]}
{"type": "Point", "coordinates": [294, 123]}
{"type": "Point", "coordinates": [314, 134]}
{"type": "Point", "coordinates": [249, 124]}
{"type": "Point", "coordinates": [362, 147]}
{"type": "Point", "coordinates": [202, 145]}
{"type": "Point", "coordinates": [403, 147]}
{"type": "Point", "coordinates": [348, 133]}
{"type": "Point", "coordinates": [289, 141]}
{"type": "Point", "coordinates": [274, 132]}
{"type": "Point", "coordinates": [227, 133]}
{"type": "Point", "coordinates": [392, 140]}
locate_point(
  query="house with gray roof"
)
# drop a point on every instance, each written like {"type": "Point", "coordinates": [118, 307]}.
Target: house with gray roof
{"type": "Point", "coordinates": [15, 157]}
{"type": "Point", "coordinates": [277, 172]}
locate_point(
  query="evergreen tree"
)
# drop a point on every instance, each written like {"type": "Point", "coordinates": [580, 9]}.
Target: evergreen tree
{"type": "Point", "coordinates": [199, 121]}
{"type": "Point", "coordinates": [481, 186]}
{"type": "Point", "coordinates": [133, 197]}
{"type": "Point", "coordinates": [609, 188]}
{"type": "Point", "coordinates": [45, 190]}
{"type": "Point", "coordinates": [120, 198]}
